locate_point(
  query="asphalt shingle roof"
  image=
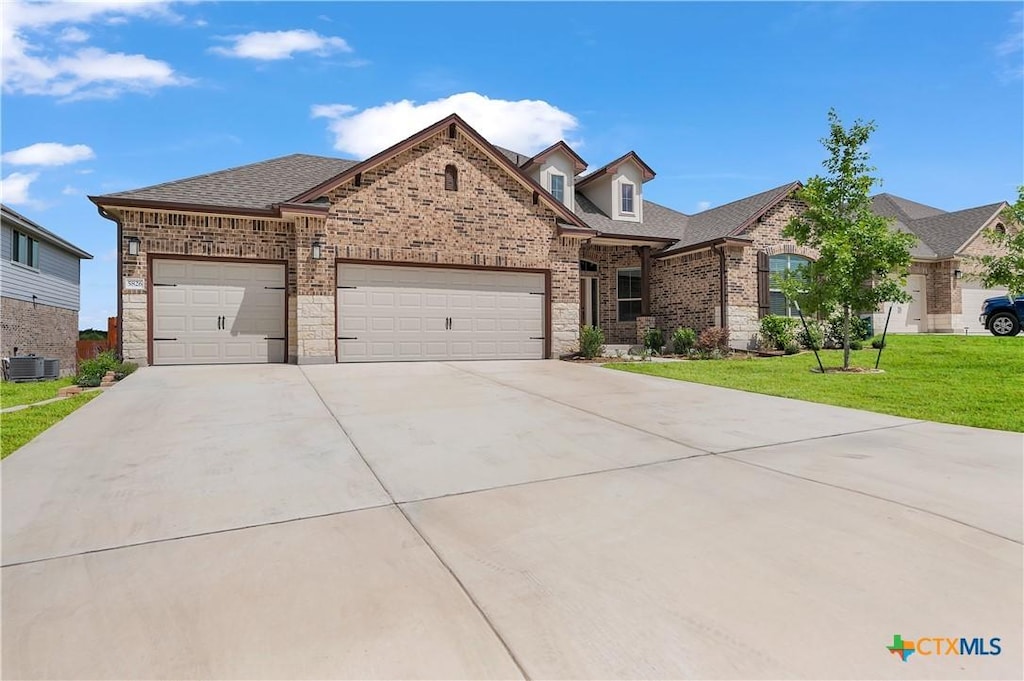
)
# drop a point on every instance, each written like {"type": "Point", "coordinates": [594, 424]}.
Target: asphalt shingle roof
{"type": "Point", "coordinates": [659, 221]}
{"type": "Point", "coordinates": [9, 214]}
{"type": "Point", "coordinates": [257, 185]}
{"type": "Point", "coordinates": [940, 234]}
{"type": "Point", "coordinates": [724, 220]}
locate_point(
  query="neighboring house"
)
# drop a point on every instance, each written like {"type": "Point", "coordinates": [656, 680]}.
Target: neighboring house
{"type": "Point", "coordinates": [946, 296]}
{"type": "Point", "coordinates": [39, 291]}
{"type": "Point", "coordinates": [440, 247]}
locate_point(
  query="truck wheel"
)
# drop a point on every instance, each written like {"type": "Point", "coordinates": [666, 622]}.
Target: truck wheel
{"type": "Point", "coordinates": [1004, 324]}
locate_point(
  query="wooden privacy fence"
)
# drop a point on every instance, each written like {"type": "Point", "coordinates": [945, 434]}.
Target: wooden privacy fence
{"type": "Point", "coordinates": [87, 349]}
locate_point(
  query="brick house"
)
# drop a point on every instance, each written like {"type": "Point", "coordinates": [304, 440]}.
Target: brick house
{"type": "Point", "coordinates": [39, 291]}
{"type": "Point", "coordinates": [443, 246]}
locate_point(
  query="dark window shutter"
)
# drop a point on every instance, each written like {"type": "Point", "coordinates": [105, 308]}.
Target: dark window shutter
{"type": "Point", "coordinates": [451, 178]}
{"type": "Point", "coordinates": [763, 294]}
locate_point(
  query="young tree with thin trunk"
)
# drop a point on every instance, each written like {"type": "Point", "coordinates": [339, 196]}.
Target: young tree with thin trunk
{"type": "Point", "coordinates": [862, 262]}
{"type": "Point", "coordinates": [1007, 269]}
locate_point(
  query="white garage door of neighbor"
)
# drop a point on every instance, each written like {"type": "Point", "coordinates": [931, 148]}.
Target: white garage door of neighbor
{"type": "Point", "coordinates": [213, 312]}
{"type": "Point", "coordinates": [911, 317]}
{"type": "Point", "coordinates": [395, 313]}
{"type": "Point", "coordinates": [971, 298]}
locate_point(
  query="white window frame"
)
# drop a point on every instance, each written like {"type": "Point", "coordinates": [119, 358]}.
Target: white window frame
{"type": "Point", "coordinates": [551, 186]}
{"type": "Point", "coordinates": [31, 250]}
{"type": "Point", "coordinates": [618, 295]}
{"type": "Point", "coordinates": [632, 198]}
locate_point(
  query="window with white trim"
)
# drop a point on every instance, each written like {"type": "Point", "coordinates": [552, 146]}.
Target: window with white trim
{"type": "Point", "coordinates": [626, 190]}
{"type": "Point", "coordinates": [25, 250]}
{"type": "Point", "coordinates": [778, 265]}
{"type": "Point", "coordinates": [557, 183]}
{"type": "Point", "coordinates": [628, 294]}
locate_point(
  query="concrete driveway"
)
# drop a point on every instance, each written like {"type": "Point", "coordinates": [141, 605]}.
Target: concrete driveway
{"type": "Point", "coordinates": [501, 520]}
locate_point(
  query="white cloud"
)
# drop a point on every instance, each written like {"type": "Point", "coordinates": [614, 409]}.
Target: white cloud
{"type": "Point", "coordinates": [1010, 51]}
{"type": "Point", "coordinates": [71, 191]}
{"type": "Point", "coordinates": [273, 45]}
{"type": "Point", "coordinates": [35, 64]}
{"type": "Point", "coordinates": [72, 34]}
{"type": "Point", "coordinates": [14, 188]}
{"type": "Point", "coordinates": [525, 125]}
{"type": "Point", "coordinates": [703, 206]}
{"type": "Point", "coordinates": [48, 154]}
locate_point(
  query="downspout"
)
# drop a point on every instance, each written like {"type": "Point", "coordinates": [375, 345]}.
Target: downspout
{"type": "Point", "coordinates": [120, 298]}
{"type": "Point", "coordinates": [721, 285]}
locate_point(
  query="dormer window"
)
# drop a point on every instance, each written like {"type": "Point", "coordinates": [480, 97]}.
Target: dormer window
{"type": "Point", "coordinates": [627, 197]}
{"type": "Point", "coordinates": [558, 187]}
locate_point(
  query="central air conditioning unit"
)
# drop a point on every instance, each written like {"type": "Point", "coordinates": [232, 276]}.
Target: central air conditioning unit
{"type": "Point", "coordinates": [51, 368]}
{"type": "Point", "coordinates": [25, 368]}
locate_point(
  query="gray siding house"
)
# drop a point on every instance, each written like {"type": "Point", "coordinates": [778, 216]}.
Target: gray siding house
{"type": "Point", "coordinates": [39, 291]}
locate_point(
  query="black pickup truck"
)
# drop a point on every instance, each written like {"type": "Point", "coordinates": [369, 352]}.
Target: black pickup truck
{"type": "Point", "coordinates": [1002, 316]}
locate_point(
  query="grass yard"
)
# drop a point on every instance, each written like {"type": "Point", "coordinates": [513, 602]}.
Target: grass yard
{"type": "Point", "coordinates": [18, 427]}
{"type": "Point", "coordinates": [967, 380]}
{"type": "Point", "coordinates": [12, 394]}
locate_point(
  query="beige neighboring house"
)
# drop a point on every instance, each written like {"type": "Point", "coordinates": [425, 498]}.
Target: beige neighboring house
{"type": "Point", "coordinates": [442, 246]}
{"type": "Point", "coordinates": [39, 291]}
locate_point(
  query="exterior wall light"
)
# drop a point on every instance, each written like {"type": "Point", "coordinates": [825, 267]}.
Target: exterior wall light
{"type": "Point", "coordinates": [133, 245]}
{"type": "Point", "coordinates": [959, 274]}
{"type": "Point", "coordinates": [318, 250]}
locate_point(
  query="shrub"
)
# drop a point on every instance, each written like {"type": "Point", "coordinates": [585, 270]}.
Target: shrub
{"type": "Point", "coordinates": [99, 365]}
{"type": "Point", "coordinates": [591, 341]}
{"type": "Point", "coordinates": [856, 345]}
{"type": "Point", "coordinates": [878, 344]}
{"type": "Point", "coordinates": [87, 381]}
{"type": "Point", "coordinates": [834, 330]}
{"type": "Point", "coordinates": [712, 338]}
{"type": "Point", "coordinates": [777, 331]}
{"type": "Point", "coordinates": [792, 348]}
{"type": "Point", "coordinates": [654, 340]}
{"type": "Point", "coordinates": [125, 368]}
{"type": "Point", "coordinates": [813, 337]}
{"type": "Point", "coordinates": [683, 340]}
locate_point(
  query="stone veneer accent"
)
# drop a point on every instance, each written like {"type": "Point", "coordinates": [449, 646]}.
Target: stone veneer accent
{"type": "Point", "coordinates": [400, 213]}
{"type": "Point", "coordinates": [41, 330]}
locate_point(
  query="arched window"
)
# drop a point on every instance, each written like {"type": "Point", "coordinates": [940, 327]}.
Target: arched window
{"type": "Point", "coordinates": [451, 178]}
{"type": "Point", "coordinates": [778, 265]}
{"type": "Point", "coordinates": [1000, 228]}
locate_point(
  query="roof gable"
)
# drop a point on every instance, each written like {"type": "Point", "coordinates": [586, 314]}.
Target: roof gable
{"type": "Point", "coordinates": [561, 146]}
{"type": "Point", "coordinates": [608, 168]}
{"type": "Point", "coordinates": [453, 121]}
{"type": "Point", "coordinates": [19, 221]}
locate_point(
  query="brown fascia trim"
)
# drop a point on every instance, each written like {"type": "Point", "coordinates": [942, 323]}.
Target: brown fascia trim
{"type": "Point", "coordinates": [581, 165]}
{"type": "Point", "coordinates": [559, 208]}
{"type": "Point", "coordinates": [568, 230]}
{"type": "Point", "coordinates": [793, 186]}
{"type": "Point", "coordinates": [609, 167]}
{"type": "Point", "coordinates": [141, 204]}
{"type": "Point", "coordinates": [636, 237]}
{"type": "Point", "coordinates": [704, 245]}
{"type": "Point", "coordinates": [303, 208]}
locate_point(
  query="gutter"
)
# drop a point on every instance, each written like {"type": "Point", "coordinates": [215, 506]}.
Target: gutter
{"type": "Point", "coordinates": [120, 278]}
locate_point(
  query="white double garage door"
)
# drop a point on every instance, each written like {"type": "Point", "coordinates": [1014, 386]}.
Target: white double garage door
{"type": "Point", "coordinates": [217, 312]}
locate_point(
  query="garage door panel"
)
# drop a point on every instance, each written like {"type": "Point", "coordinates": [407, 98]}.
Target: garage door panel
{"type": "Point", "coordinates": [971, 298]}
{"type": "Point", "coordinates": [197, 294]}
{"type": "Point", "coordinates": [401, 313]}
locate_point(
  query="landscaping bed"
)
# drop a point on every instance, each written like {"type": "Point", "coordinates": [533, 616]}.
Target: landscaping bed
{"type": "Point", "coordinates": [966, 380]}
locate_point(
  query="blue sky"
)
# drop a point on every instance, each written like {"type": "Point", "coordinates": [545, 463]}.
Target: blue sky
{"type": "Point", "coordinates": [722, 99]}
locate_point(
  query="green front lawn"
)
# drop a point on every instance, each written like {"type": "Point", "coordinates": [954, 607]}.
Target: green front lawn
{"type": "Point", "coordinates": [18, 427]}
{"type": "Point", "coordinates": [12, 394]}
{"type": "Point", "coordinates": [971, 381]}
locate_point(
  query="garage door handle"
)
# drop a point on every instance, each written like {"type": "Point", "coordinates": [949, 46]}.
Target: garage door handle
{"type": "Point", "coordinates": [274, 288]}
{"type": "Point", "coordinates": [348, 287]}
{"type": "Point", "coordinates": [165, 339]}
{"type": "Point", "coordinates": [537, 337]}
{"type": "Point", "coordinates": [156, 284]}
{"type": "Point", "coordinates": [348, 338]}
{"type": "Point", "coordinates": [274, 338]}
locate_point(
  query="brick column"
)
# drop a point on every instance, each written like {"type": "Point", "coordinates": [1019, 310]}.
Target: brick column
{"type": "Point", "coordinates": [643, 325]}
{"type": "Point", "coordinates": [315, 294]}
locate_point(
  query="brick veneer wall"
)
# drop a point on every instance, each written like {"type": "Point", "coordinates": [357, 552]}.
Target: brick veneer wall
{"type": "Point", "coordinates": [399, 213]}
{"type": "Point", "coordinates": [41, 330]}
{"type": "Point", "coordinates": [685, 291]}
{"type": "Point", "coordinates": [609, 260]}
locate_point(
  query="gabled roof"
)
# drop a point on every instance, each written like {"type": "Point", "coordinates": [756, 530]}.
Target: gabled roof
{"type": "Point", "coordinates": [578, 161]}
{"type": "Point", "coordinates": [648, 174]}
{"type": "Point", "coordinates": [254, 186]}
{"type": "Point", "coordinates": [35, 229]}
{"type": "Point", "coordinates": [940, 234]}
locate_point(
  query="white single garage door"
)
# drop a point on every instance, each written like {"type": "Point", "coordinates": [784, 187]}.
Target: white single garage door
{"type": "Point", "coordinates": [214, 312]}
{"type": "Point", "coordinates": [395, 313]}
{"type": "Point", "coordinates": [910, 317]}
{"type": "Point", "coordinates": [971, 298]}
